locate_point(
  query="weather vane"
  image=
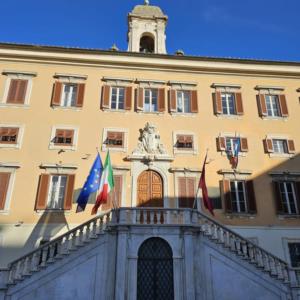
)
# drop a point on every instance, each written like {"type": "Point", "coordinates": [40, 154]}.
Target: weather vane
{"type": "Point", "coordinates": [146, 2]}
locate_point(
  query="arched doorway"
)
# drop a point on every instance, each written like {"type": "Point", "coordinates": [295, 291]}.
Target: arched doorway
{"type": "Point", "coordinates": [150, 189]}
{"type": "Point", "coordinates": [146, 44]}
{"type": "Point", "coordinates": [155, 271]}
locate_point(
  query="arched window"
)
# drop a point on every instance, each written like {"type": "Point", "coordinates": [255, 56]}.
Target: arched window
{"type": "Point", "coordinates": [155, 271]}
{"type": "Point", "coordinates": [146, 44]}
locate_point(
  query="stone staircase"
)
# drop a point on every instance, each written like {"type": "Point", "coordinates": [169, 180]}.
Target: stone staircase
{"type": "Point", "coordinates": [62, 246]}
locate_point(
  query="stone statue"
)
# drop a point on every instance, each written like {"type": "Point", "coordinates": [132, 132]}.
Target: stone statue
{"type": "Point", "coordinates": [146, 2]}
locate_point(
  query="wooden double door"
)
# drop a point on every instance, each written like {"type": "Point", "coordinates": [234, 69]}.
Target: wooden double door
{"type": "Point", "coordinates": [150, 189]}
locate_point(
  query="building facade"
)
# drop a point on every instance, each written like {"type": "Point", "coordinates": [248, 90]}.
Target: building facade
{"type": "Point", "coordinates": [158, 115]}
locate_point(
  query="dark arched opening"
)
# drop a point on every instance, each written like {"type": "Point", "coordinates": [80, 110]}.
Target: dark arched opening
{"type": "Point", "coordinates": [146, 44]}
{"type": "Point", "coordinates": [155, 271]}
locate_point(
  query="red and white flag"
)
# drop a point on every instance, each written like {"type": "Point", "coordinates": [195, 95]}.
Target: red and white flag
{"type": "Point", "coordinates": [202, 185]}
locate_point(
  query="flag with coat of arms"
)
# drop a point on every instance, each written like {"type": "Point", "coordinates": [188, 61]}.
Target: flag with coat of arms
{"type": "Point", "coordinates": [234, 159]}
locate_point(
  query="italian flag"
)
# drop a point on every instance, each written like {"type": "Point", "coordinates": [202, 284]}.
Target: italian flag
{"type": "Point", "coordinates": [106, 184]}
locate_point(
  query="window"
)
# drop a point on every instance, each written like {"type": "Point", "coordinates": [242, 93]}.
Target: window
{"type": "Point", "coordinates": [115, 139]}
{"type": "Point", "coordinates": [226, 144]}
{"type": "Point", "coordinates": [186, 191]}
{"type": "Point", "coordinates": [271, 105]}
{"type": "Point", "coordinates": [230, 142]}
{"type": "Point", "coordinates": [17, 91]}
{"type": "Point", "coordinates": [287, 197]}
{"type": "Point", "coordinates": [150, 104]}
{"type": "Point", "coordinates": [4, 185]}
{"type": "Point", "coordinates": [184, 142]}
{"type": "Point", "coordinates": [115, 196]}
{"type": "Point", "coordinates": [279, 146]}
{"type": "Point", "coordinates": [294, 251]}
{"type": "Point", "coordinates": [55, 191]}
{"type": "Point", "coordinates": [116, 97]}
{"type": "Point", "coordinates": [183, 101]}
{"type": "Point", "coordinates": [63, 137]}
{"type": "Point", "coordinates": [239, 196]}
{"type": "Point", "coordinates": [228, 103]}
{"type": "Point", "coordinates": [9, 135]}
{"type": "Point", "coordinates": [69, 95]}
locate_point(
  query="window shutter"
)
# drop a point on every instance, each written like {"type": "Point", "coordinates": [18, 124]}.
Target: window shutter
{"type": "Point", "coordinates": [106, 96]}
{"type": "Point", "coordinates": [283, 106]}
{"type": "Point", "coordinates": [80, 94]}
{"type": "Point", "coordinates": [182, 192]}
{"type": "Point", "coordinates": [244, 145]}
{"type": "Point", "coordinates": [69, 192]}
{"type": "Point", "coordinates": [277, 195]}
{"type": "Point", "coordinates": [42, 195]}
{"type": "Point", "coordinates": [297, 185]}
{"type": "Point", "coordinates": [221, 145]}
{"type": "Point", "coordinates": [161, 100]}
{"type": "Point", "coordinates": [261, 103]}
{"type": "Point", "coordinates": [194, 102]}
{"type": "Point", "coordinates": [217, 98]}
{"type": "Point", "coordinates": [225, 188]}
{"type": "Point", "coordinates": [251, 197]}
{"type": "Point", "coordinates": [172, 100]}
{"type": "Point", "coordinates": [115, 194]}
{"type": "Point", "coordinates": [4, 182]}
{"type": "Point", "coordinates": [291, 146]}
{"type": "Point", "coordinates": [56, 96]}
{"type": "Point", "coordinates": [128, 97]}
{"type": "Point", "coordinates": [190, 185]}
{"type": "Point", "coordinates": [239, 104]}
{"type": "Point", "coordinates": [17, 91]}
{"type": "Point", "coordinates": [140, 99]}
{"type": "Point", "coordinates": [268, 145]}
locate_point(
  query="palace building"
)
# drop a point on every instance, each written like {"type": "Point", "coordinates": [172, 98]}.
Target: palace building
{"type": "Point", "coordinates": [158, 114]}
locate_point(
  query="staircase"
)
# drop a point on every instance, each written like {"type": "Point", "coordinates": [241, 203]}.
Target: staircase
{"type": "Point", "coordinates": [112, 221]}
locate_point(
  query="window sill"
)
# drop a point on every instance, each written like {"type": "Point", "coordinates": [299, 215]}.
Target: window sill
{"type": "Point", "coordinates": [241, 154]}
{"type": "Point", "coordinates": [281, 155]}
{"type": "Point", "coordinates": [40, 212]}
{"type": "Point", "coordinates": [8, 105]}
{"type": "Point", "coordinates": [62, 147]}
{"type": "Point", "coordinates": [178, 114]}
{"type": "Point", "coordinates": [185, 152]}
{"type": "Point", "coordinates": [230, 117]}
{"type": "Point", "coordinates": [10, 146]}
{"type": "Point", "coordinates": [288, 216]}
{"type": "Point", "coordinates": [240, 215]}
{"type": "Point", "coordinates": [109, 110]}
{"type": "Point", "coordinates": [121, 149]}
{"type": "Point", "coordinates": [269, 118]}
{"type": "Point", "coordinates": [66, 108]}
{"type": "Point", "coordinates": [4, 212]}
{"type": "Point", "coordinates": [150, 112]}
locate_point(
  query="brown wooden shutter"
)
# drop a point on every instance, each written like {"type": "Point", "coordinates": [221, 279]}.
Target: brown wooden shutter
{"type": "Point", "coordinates": [80, 94]}
{"type": "Point", "coordinates": [106, 96]}
{"type": "Point", "coordinates": [115, 194]}
{"type": "Point", "coordinates": [262, 106]}
{"type": "Point", "coordinates": [182, 192]}
{"type": "Point", "coordinates": [140, 99]}
{"type": "Point", "coordinates": [268, 145]}
{"type": "Point", "coordinates": [190, 186]}
{"type": "Point", "coordinates": [283, 106]}
{"type": "Point", "coordinates": [291, 146]}
{"type": "Point", "coordinates": [128, 97]}
{"type": "Point", "coordinates": [277, 196]}
{"type": "Point", "coordinates": [217, 98]}
{"type": "Point", "coordinates": [42, 195]}
{"type": "Point", "coordinates": [17, 91]}
{"type": "Point", "coordinates": [172, 100]}
{"type": "Point", "coordinates": [239, 104]}
{"type": "Point", "coordinates": [56, 96]}
{"type": "Point", "coordinates": [244, 144]}
{"type": "Point", "coordinates": [225, 188]}
{"type": "Point", "coordinates": [161, 100]}
{"type": "Point", "coordinates": [4, 182]}
{"type": "Point", "coordinates": [251, 197]}
{"type": "Point", "coordinates": [194, 101]}
{"type": "Point", "coordinates": [69, 192]}
{"type": "Point", "coordinates": [221, 145]}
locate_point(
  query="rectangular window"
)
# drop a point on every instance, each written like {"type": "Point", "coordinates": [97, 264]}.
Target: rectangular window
{"type": "Point", "coordinates": [9, 135]}
{"type": "Point", "coordinates": [57, 191]}
{"type": "Point", "coordinates": [280, 146]}
{"type": "Point", "coordinates": [150, 100]}
{"type": "Point", "coordinates": [273, 108]}
{"type": "Point", "coordinates": [17, 91]}
{"type": "Point", "coordinates": [117, 98]}
{"type": "Point", "coordinates": [115, 139]}
{"type": "Point", "coordinates": [184, 142]}
{"type": "Point", "coordinates": [69, 95]}
{"type": "Point", "coordinates": [288, 197]}
{"type": "Point", "coordinates": [64, 137]}
{"type": "Point", "coordinates": [4, 183]}
{"type": "Point", "coordinates": [186, 191]}
{"type": "Point", "coordinates": [294, 251]}
{"type": "Point", "coordinates": [238, 196]}
{"type": "Point", "coordinates": [230, 142]}
{"type": "Point", "coordinates": [183, 101]}
{"type": "Point", "coordinates": [228, 103]}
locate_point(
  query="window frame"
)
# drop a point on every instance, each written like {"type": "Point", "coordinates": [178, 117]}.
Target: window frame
{"type": "Point", "coordinates": [274, 154]}
{"type": "Point", "coordinates": [117, 98]}
{"type": "Point", "coordinates": [62, 98]}
{"type": "Point", "coordinates": [237, 196]}
{"type": "Point", "coordinates": [179, 151]}
{"type": "Point", "coordinates": [150, 89]}
{"type": "Point", "coordinates": [286, 193]}
{"type": "Point", "coordinates": [182, 92]}
{"type": "Point", "coordinates": [50, 191]}
{"type": "Point", "coordinates": [272, 115]}
{"type": "Point", "coordinates": [54, 146]}
{"type": "Point", "coordinates": [105, 148]}
{"type": "Point", "coordinates": [228, 113]}
{"type": "Point", "coordinates": [19, 141]}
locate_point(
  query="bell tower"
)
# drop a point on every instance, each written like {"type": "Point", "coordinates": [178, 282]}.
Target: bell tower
{"type": "Point", "coordinates": [146, 29]}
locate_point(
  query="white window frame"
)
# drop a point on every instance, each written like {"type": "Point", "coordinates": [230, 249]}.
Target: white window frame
{"type": "Point", "coordinates": [17, 75]}
{"type": "Point", "coordinates": [53, 146]}
{"type": "Point", "coordinates": [227, 96]}
{"type": "Point", "coordinates": [62, 98]}
{"type": "Point", "coordinates": [279, 137]}
{"type": "Point", "coordinates": [117, 98]}
{"type": "Point", "coordinates": [56, 192]}
{"type": "Point", "coordinates": [8, 168]}
{"type": "Point", "coordinates": [269, 97]}
{"type": "Point", "coordinates": [18, 144]}
{"type": "Point", "coordinates": [177, 151]}
{"type": "Point", "coordinates": [115, 149]}
{"type": "Point", "coordinates": [238, 197]}
{"type": "Point", "coordinates": [294, 196]}
{"type": "Point", "coordinates": [286, 241]}
{"type": "Point", "coordinates": [150, 99]}
{"type": "Point", "coordinates": [182, 92]}
{"type": "Point", "coordinates": [232, 135]}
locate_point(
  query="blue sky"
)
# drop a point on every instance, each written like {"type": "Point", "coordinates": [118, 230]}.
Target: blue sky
{"type": "Point", "coordinates": [260, 29]}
